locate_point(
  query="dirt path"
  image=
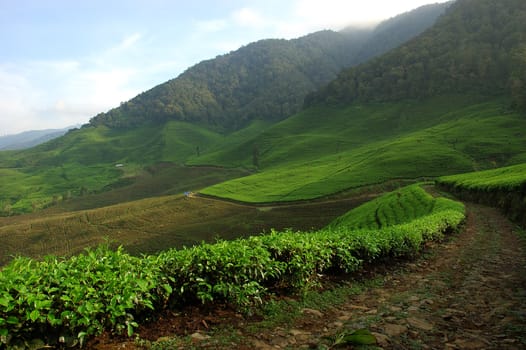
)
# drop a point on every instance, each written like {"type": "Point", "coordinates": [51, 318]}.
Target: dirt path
{"type": "Point", "coordinates": [469, 293]}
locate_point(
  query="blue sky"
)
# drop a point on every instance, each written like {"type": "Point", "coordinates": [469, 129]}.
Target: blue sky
{"type": "Point", "coordinates": [64, 61]}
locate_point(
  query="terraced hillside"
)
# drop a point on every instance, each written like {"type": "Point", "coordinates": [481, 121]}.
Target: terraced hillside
{"type": "Point", "coordinates": [504, 188]}
{"type": "Point", "coordinates": [394, 208]}
{"type": "Point", "coordinates": [324, 150]}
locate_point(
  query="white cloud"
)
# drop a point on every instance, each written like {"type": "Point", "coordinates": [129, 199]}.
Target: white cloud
{"type": "Point", "coordinates": [247, 17]}
{"type": "Point", "coordinates": [35, 95]}
{"type": "Point", "coordinates": [104, 88]}
{"type": "Point", "coordinates": [58, 93]}
{"type": "Point", "coordinates": [336, 14]}
{"type": "Point", "coordinates": [129, 41]}
{"type": "Point", "coordinates": [16, 98]}
{"type": "Point", "coordinates": [121, 51]}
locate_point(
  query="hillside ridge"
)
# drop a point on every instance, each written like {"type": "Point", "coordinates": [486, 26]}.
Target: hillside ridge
{"type": "Point", "coordinates": [267, 79]}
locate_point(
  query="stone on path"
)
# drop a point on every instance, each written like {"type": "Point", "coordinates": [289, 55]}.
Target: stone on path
{"type": "Point", "coordinates": [420, 324]}
{"type": "Point", "coordinates": [393, 330]}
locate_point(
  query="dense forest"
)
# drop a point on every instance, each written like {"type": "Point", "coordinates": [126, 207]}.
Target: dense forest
{"type": "Point", "coordinates": [268, 79]}
{"type": "Point", "coordinates": [477, 46]}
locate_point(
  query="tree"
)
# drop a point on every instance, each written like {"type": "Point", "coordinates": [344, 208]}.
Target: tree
{"type": "Point", "coordinates": [8, 210]}
{"type": "Point", "coordinates": [518, 78]}
{"type": "Point", "coordinates": [255, 156]}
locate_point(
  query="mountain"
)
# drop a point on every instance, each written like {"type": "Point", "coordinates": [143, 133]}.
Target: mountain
{"type": "Point", "coordinates": [477, 46]}
{"type": "Point", "coordinates": [395, 31]}
{"type": "Point", "coordinates": [265, 80]}
{"type": "Point", "coordinates": [448, 101]}
{"type": "Point", "coordinates": [31, 138]}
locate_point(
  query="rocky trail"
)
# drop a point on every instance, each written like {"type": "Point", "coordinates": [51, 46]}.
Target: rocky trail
{"type": "Point", "coordinates": [471, 294]}
{"type": "Point", "coordinates": [466, 293]}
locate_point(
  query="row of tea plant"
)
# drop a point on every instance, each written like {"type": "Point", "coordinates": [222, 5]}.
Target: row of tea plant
{"type": "Point", "coordinates": [58, 300]}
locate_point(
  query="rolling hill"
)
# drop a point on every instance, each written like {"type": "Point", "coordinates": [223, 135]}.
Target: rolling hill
{"type": "Point", "coordinates": [372, 143]}
{"type": "Point", "coordinates": [114, 149]}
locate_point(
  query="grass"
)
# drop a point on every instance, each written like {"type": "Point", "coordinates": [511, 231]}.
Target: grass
{"type": "Point", "coordinates": [320, 151]}
{"type": "Point", "coordinates": [512, 177]}
{"type": "Point", "coordinates": [86, 159]}
{"type": "Point", "coordinates": [183, 140]}
{"type": "Point", "coordinates": [156, 180]}
{"type": "Point", "coordinates": [394, 208]}
{"type": "Point", "coordinates": [504, 188]}
{"type": "Point", "coordinates": [325, 150]}
{"type": "Point", "coordinates": [35, 188]}
{"type": "Point", "coordinates": [232, 150]}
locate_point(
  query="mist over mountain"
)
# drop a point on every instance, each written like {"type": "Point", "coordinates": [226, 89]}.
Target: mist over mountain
{"type": "Point", "coordinates": [478, 47]}
{"type": "Point", "coordinates": [30, 138]}
{"type": "Point", "coordinates": [267, 79]}
{"type": "Point", "coordinates": [395, 31]}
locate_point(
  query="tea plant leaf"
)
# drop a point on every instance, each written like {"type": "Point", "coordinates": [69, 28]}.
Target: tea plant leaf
{"type": "Point", "coordinates": [168, 288]}
{"type": "Point", "coordinates": [4, 301]}
{"type": "Point", "coordinates": [34, 315]}
{"type": "Point", "coordinates": [360, 337]}
{"type": "Point", "coordinates": [13, 320]}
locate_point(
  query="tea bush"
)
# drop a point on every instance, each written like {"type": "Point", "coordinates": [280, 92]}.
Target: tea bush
{"type": "Point", "coordinates": [512, 178]}
{"type": "Point", "coordinates": [66, 300]}
{"type": "Point", "coordinates": [504, 188]}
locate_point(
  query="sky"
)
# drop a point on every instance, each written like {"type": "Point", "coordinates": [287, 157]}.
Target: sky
{"type": "Point", "coordinates": [64, 61]}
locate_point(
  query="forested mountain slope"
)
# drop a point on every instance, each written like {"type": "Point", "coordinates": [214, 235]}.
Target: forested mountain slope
{"type": "Point", "coordinates": [479, 47]}
{"type": "Point", "coordinates": [267, 79]}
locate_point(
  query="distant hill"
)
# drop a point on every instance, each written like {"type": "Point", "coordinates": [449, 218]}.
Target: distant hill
{"type": "Point", "coordinates": [479, 47]}
{"type": "Point", "coordinates": [31, 138]}
{"type": "Point", "coordinates": [267, 79]}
